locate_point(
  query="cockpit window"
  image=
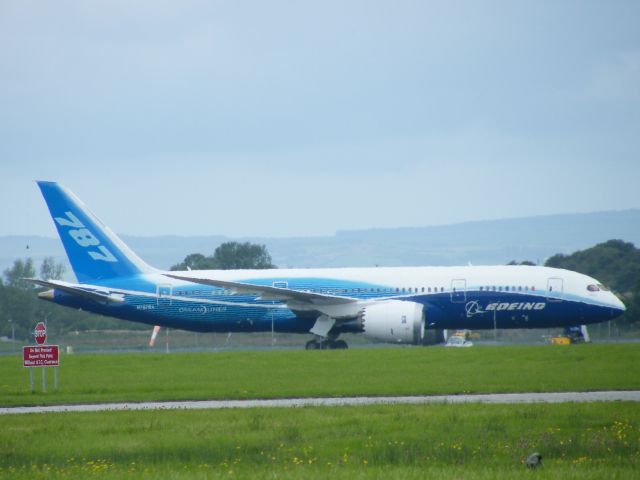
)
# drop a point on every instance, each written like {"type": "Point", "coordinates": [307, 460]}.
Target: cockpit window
{"type": "Point", "coordinates": [593, 288]}
{"type": "Point", "coordinates": [603, 288]}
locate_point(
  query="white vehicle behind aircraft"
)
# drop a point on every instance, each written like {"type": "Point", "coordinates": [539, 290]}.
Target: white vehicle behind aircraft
{"type": "Point", "coordinates": [456, 341]}
{"type": "Point", "coordinates": [398, 304]}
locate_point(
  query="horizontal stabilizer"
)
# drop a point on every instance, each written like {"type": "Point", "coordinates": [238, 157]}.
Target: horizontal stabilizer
{"type": "Point", "coordinates": [83, 291]}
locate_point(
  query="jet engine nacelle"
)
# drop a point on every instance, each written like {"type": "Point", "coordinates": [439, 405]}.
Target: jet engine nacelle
{"type": "Point", "coordinates": [394, 321]}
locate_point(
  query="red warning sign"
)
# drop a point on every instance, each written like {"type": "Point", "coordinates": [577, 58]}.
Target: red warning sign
{"type": "Point", "coordinates": [40, 356]}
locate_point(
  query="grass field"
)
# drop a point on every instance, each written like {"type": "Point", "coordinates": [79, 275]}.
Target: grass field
{"type": "Point", "coordinates": [273, 374]}
{"type": "Point", "coordinates": [585, 441]}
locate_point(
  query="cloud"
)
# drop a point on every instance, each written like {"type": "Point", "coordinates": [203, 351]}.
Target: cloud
{"type": "Point", "coordinates": [356, 113]}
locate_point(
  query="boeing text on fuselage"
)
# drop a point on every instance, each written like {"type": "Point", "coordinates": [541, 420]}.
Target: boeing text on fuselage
{"type": "Point", "coordinates": [474, 307]}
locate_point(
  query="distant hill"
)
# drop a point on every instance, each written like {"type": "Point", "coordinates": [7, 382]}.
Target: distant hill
{"type": "Point", "coordinates": [479, 243]}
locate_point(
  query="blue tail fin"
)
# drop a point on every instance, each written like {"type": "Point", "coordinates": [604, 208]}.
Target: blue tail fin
{"type": "Point", "coordinates": [95, 252]}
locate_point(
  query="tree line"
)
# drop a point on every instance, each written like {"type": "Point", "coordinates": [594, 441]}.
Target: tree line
{"type": "Point", "coordinates": [615, 263]}
{"type": "Point", "coordinates": [229, 256]}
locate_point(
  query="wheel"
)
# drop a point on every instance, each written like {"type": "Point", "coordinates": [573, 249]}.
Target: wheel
{"type": "Point", "coordinates": [340, 345]}
{"type": "Point", "coordinates": [312, 345]}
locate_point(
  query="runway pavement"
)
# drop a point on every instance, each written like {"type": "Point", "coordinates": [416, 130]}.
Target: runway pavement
{"type": "Point", "coordinates": [499, 398]}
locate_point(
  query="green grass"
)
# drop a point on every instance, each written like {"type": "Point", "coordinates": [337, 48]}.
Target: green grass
{"type": "Point", "coordinates": [273, 374]}
{"type": "Point", "coordinates": [585, 441]}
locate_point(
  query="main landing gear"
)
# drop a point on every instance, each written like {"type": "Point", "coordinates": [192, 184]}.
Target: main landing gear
{"type": "Point", "coordinates": [327, 344]}
{"type": "Point", "coordinates": [323, 339]}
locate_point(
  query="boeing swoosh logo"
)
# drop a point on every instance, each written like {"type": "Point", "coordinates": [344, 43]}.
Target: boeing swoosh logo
{"type": "Point", "coordinates": [473, 308]}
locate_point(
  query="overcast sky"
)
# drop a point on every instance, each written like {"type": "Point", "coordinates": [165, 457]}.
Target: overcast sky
{"type": "Point", "coordinates": [303, 118]}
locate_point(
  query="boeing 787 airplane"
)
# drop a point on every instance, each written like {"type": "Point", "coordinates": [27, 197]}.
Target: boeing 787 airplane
{"type": "Point", "coordinates": [397, 304]}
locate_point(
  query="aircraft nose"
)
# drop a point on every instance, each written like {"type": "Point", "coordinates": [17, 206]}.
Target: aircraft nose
{"type": "Point", "coordinates": [618, 307]}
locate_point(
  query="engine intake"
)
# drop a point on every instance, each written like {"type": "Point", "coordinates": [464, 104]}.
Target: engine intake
{"type": "Point", "coordinates": [394, 321]}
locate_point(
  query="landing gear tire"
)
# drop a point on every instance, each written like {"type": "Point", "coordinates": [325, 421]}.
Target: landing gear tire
{"type": "Point", "coordinates": [334, 345]}
{"type": "Point", "coordinates": [312, 345]}
{"type": "Point", "coordinates": [326, 345]}
{"type": "Point", "coordinates": [339, 345]}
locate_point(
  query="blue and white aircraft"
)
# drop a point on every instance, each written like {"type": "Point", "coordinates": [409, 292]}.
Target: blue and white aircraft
{"type": "Point", "coordinates": [396, 305]}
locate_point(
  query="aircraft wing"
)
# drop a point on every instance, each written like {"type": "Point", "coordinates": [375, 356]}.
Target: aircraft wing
{"type": "Point", "coordinates": [271, 293]}
{"type": "Point", "coordinates": [80, 290]}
